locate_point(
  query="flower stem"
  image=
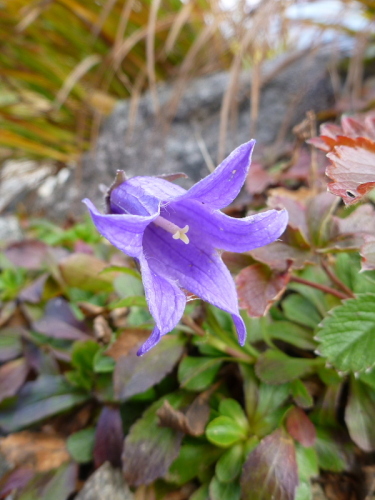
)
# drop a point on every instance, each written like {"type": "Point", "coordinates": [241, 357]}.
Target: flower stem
{"type": "Point", "coordinates": [323, 288]}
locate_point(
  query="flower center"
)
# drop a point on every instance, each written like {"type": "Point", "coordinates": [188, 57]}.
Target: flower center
{"type": "Point", "coordinates": [177, 233]}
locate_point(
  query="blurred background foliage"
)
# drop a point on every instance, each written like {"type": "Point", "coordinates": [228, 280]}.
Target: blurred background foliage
{"type": "Point", "coordinates": [65, 63]}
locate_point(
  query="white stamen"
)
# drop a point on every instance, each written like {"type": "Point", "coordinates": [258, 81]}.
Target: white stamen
{"type": "Point", "coordinates": [177, 232]}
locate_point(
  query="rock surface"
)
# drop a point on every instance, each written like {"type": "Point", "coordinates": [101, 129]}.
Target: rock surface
{"type": "Point", "coordinates": [145, 146]}
{"type": "Point", "coordinates": [105, 483]}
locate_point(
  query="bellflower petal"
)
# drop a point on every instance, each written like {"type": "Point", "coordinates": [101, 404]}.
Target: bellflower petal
{"type": "Point", "coordinates": [124, 231]}
{"type": "Point", "coordinates": [224, 232]}
{"type": "Point", "coordinates": [166, 302]}
{"type": "Point", "coordinates": [177, 235]}
{"type": "Point", "coordinates": [195, 267]}
{"type": "Point", "coordinates": [221, 187]}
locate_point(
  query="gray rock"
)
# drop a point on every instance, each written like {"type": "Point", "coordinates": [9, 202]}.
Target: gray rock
{"type": "Point", "coordinates": [10, 229]}
{"type": "Point", "coordinates": [105, 483]}
{"type": "Point", "coordinates": [150, 145]}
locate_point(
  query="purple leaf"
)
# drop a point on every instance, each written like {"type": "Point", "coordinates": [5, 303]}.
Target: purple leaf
{"type": "Point", "coordinates": [270, 471]}
{"type": "Point", "coordinates": [134, 374]}
{"type": "Point", "coordinates": [109, 437]}
{"type": "Point", "coordinates": [12, 376]}
{"type": "Point", "coordinates": [30, 254]}
{"type": "Point", "coordinates": [149, 449]}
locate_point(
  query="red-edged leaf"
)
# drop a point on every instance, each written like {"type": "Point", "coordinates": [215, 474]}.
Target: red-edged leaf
{"type": "Point", "coordinates": [300, 427]}
{"type": "Point", "coordinates": [109, 437]}
{"type": "Point", "coordinates": [29, 254]}
{"type": "Point", "coordinates": [259, 287]}
{"type": "Point", "coordinates": [270, 471]}
{"type": "Point", "coordinates": [12, 377]}
{"type": "Point", "coordinates": [353, 168]}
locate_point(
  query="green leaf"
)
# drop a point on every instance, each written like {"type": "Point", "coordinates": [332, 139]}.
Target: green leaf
{"type": "Point", "coordinates": [300, 394]}
{"type": "Point", "coordinates": [224, 491]}
{"type": "Point", "coordinates": [186, 466]}
{"type": "Point", "coordinates": [201, 493]}
{"type": "Point", "coordinates": [231, 408]}
{"type": "Point", "coordinates": [331, 454]}
{"type": "Point", "coordinates": [80, 445]}
{"type": "Point", "coordinates": [58, 484]}
{"type": "Point", "coordinates": [275, 367]}
{"type": "Point", "coordinates": [359, 415]}
{"type": "Point", "coordinates": [80, 270]}
{"type": "Point", "coordinates": [293, 334]}
{"type": "Point", "coordinates": [347, 335]}
{"type": "Point", "coordinates": [103, 363]}
{"type": "Point", "coordinates": [128, 285]}
{"type": "Point", "coordinates": [224, 431]}
{"type": "Point", "coordinates": [300, 310]}
{"type": "Point", "coordinates": [197, 374]}
{"type": "Point", "coordinates": [229, 465]}
{"type": "Point", "coordinates": [10, 343]}
{"type": "Point", "coordinates": [270, 471]}
{"type": "Point", "coordinates": [307, 461]}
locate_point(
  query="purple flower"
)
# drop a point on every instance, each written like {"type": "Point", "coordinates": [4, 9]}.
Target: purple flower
{"type": "Point", "coordinates": [176, 237]}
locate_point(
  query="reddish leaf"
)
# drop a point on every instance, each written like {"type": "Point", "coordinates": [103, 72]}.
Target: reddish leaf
{"type": "Point", "coordinates": [300, 427]}
{"type": "Point", "coordinates": [29, 254]}
{"type": "Point", "coordinates": [12, 377]}
{"type": "Point", "coordinates": [361, 125]}
{"type": "Point", "coordinates": [258, 179]}
{"type": "Point", "coordinates": [277, 255]}
{"type": "Point", "coordinates": [109, 438]}
{"type": "Point", "coordinates": [294, 202]}
{"type": "Point", "coordinates": [352, 170]}
{"type": "Point", "coordinates": [270, 471]}
{"type": "Point", "coordinates": [259, 287]}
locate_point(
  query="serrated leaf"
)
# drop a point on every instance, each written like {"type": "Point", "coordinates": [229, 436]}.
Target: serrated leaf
{"type": "Point", "coordinates": [270, 471]}
{"type": "Point", "coordinates": [347, 335]}
{"type": "Point", "coordinates": [352, 169]}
